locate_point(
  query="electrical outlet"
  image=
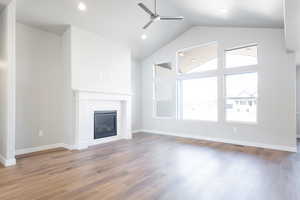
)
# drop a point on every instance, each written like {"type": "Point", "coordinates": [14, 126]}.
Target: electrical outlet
{"type": "Point", "coordinates": [234, 129]}
{"type": "Point", "coordinates": [41, 133]}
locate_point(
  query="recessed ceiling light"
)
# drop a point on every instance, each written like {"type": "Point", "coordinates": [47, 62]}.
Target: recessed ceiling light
{"type": "Point", "coordinates": [144, 37]}
{"type": "Point", "coordinates": [81, 6]}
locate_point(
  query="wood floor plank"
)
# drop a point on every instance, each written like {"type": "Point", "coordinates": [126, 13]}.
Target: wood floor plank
{"type": "Point", "coordinates": [154, 167]}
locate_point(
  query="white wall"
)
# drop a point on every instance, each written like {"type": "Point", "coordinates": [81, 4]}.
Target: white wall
{"type": "Point", "coordinates": [45, 98]}
{"type": "Point", "coordinates": [298, 101]}
{"type": "Point", "coordinates": [41, 91]}
{"type": "Point", "coordinates": [92, 63]}
{"type": "Point", "coordinates": [277, 107]}
{"type": "Point", "coordinates": [7, 84]}
{"type": "Point", "coordinates": [99, 64]}
{"type": "Point", "coordinates": [3, 83]}
{"type": "Point", "coordinates": [68, 96]}
{"type": "Point", "coordinates": [136, 95]}
{"type": "Point", "coordinates": [292, 26]}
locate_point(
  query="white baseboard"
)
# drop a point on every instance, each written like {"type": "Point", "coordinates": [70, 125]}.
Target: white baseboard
{"type": "Point", "coordinates": [69, 146]}
{"type": "Point", "coordinates": [11, 162]}
{"type": "Point", "coordinates": [7, 162]}
{"type": "Point", "coordinates": [86, 145]}
{"type": "Point", "coordinates": [227, 141]}
{"type": "Point", "coordinates": [105, 140]}
{"type": "Point", "coordinates": [40, 148]}
{"type": "Point", "coordinates": [66, 146]}
{"type": "Point", "coordinates": [137, 131]}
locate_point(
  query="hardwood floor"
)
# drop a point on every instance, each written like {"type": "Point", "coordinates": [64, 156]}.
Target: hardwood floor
{"type": "Point", "coordinates": [155, 167]}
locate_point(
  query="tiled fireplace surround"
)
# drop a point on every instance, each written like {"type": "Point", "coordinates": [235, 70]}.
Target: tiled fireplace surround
{"type": "Point", "coordinates": [89, 102]}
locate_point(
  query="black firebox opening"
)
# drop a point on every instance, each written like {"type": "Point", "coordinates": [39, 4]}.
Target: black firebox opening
{"type": "Point", "coordinates": [105, 124]}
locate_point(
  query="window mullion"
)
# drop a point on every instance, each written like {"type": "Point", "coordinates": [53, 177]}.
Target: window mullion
{"type": "Point", "coordinates": [241, 70]}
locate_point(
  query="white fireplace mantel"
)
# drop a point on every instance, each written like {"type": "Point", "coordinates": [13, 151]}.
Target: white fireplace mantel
{"type": "Point", "coordinates": [87, 103]}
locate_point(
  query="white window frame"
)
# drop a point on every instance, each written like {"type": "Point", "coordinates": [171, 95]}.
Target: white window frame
{"type": "Point", "coordinates": [196, 75]}
{"type": "Point", "coordinates": [236, 71]}
{"type": "Point", "coordinates": [154, 103]}
{"type": "Point", "coordinates": [193, 47]}
{"type": "Point", "coordinates": [237, 48]}
{"type": "Point", "coordinates": [225, 100]}
{"type": "Point", "coordinates": [220, 73]}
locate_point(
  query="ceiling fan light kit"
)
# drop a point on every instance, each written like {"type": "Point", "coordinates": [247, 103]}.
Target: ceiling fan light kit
{"type": "Point", "coordinates": [154, 16]}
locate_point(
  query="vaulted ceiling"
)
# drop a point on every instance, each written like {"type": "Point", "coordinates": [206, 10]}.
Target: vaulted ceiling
{"type": "Point", "coordinates": [292, 27]}
{"type": "Point", "coordinates": [122, 20]}
{"type": "Point", "coordinates": [242, 13]}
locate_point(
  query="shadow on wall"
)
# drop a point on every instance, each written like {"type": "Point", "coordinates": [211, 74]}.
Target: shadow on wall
{"type": "Point", "coordinates": [298, 99]}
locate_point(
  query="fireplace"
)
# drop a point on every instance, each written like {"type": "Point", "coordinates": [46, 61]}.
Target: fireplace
{"type": "Point", "coordinates": [105, 124]}
{"type": "Point", "coordinates": [95, 110]}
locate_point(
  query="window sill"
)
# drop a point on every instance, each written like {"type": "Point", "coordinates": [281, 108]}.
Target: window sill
{"type": "Point", "coordinates": [198, 120]}
{"type": "Point", "coordinates": [155, 117]}
{"type": "Point", "coordinates": [241, 123]}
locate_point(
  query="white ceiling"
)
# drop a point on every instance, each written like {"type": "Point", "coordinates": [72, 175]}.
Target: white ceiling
{"type": "Point", "coordinates": [122, 20]}
{"type": "Point", "coordinates": [242, 13]}
{"type": "Point", "coordinates": [292, 27]}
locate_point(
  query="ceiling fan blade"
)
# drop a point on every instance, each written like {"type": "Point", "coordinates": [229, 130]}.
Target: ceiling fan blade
{"type": "Point", "coordinates": [146, 9]}
{"type": "Point", "coordinates": [171, 18]}
{"type": "Point", "coordinates": [148, 24]}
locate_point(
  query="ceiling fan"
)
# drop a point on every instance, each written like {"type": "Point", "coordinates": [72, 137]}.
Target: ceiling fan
{"type": "Point", "coordinates": [154, 16]}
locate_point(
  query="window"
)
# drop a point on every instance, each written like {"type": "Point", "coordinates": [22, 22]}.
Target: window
{"type": "Point", "coordinates": [199, 99]}
{"type": "Point", "coordinates": [198, 59]}
{"type": "Point", "coordinates": [198, 83]}
{"type": "Point", "coordinates": [241, 97]}
{"type": "Point", "coordinates": [164, 103]}
{"type": "Point", "coordinates": [243, 56]}
{"type": "Point", "coordinates": [201, 83]}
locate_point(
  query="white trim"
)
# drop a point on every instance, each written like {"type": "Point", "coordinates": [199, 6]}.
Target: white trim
{"type": "Point", "coordinates": [225, 99]}
{"type": "Point", "coordinates": [105, 140]}
{"type": "Point", "coordinates": [69, 146]}
{"type": "Point", "coordinates": [87, 103]}
{"type": "Point", "coordinates": [242, 66]}
{"type": "Point", "coordinates": [11, 9]}
{"type": "Point", "coordinates": [227, 141]}
{"type": "Point", "coordinates": [154, 101]}
{"type": "Point", "coordinates": [7, 162]}
{"type": "Point", "coordinates": [103, 93]}
{"type": "Point", "coordinates": [242, 47]}
{"type": "Point", "coordinates": [190, 48]}
{"type": "Point", "coordinates": [80, 147]}
{"type": "Point", "coordinates": [137, 131]}
{"type": "Point", "coordinates": [40, 148]}
{"type": "Point", "coordinates": [44, 148]}
{"type": "Point", "coordinates": [11, 107]}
